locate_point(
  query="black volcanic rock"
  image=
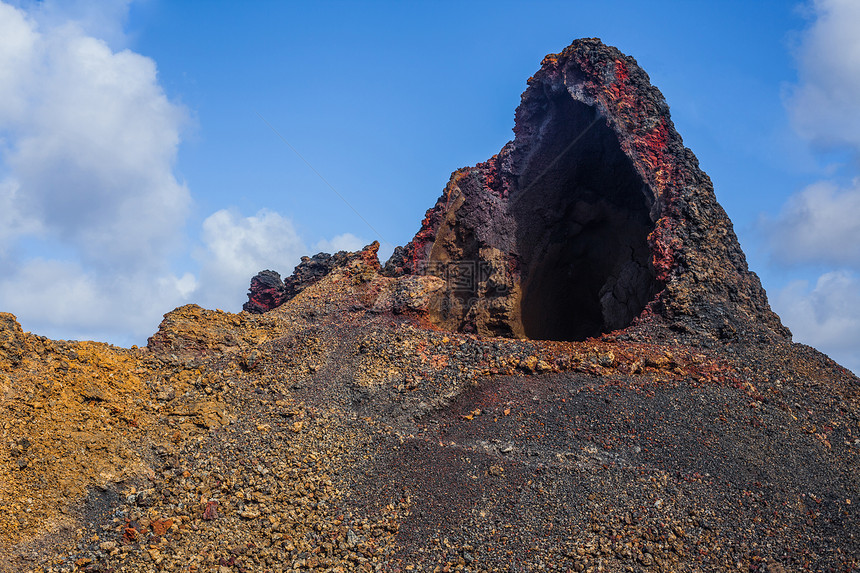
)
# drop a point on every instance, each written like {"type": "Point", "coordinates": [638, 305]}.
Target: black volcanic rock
{"type": "Point", "coordinates": [268, 291]}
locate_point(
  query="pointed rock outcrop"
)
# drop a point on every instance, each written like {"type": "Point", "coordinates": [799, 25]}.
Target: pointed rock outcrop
{"type": "Point", "coordinates": [595, 216]}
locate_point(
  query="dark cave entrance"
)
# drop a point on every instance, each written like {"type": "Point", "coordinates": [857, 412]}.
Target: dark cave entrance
{"type": "Point", "coordinates": [583, 218]}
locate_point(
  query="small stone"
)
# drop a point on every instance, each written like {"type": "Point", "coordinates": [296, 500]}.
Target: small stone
{"type": "Point", "coordinates": [160, 527]}
{"type": "Point", "coordinates": [146, 498]}
{"type": "Point", "coordinates": [530, 363]}
{"type": "Point", "coordinates": [210, 512]}
{"type": "Point", "coordinates": [93, 393]}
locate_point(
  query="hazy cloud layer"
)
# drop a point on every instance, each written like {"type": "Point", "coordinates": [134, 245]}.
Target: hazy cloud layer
{"type": "Point", "coordinates": [103, 19]}
{"type": "Point", "coordinates": [820, 225]}
{"type": "Point", "coordinates": [826, 315]}
{"type": "Point", "coordinates": [62, 299]}
{"type": "Point", "coordinates": [344, 242]}
{"type": "Point", "coordinates": [13, 224]}
{"type": "Point", "coordinates": [825, 104]}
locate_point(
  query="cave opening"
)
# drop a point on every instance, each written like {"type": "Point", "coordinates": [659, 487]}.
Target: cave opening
{"type": "Point", "coordinates": [583, 215]}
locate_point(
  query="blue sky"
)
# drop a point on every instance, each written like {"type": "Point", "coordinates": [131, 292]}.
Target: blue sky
{"type": "Point", "coordinates": [138, 170]}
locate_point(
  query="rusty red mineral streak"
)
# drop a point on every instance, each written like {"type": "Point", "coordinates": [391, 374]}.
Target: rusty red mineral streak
{"type": "Point", "coordinates": [424, 238]}
{"type": "Point", "coordinates": [664, 245]}
{"type": "Point", "coordinates": [649, 154]}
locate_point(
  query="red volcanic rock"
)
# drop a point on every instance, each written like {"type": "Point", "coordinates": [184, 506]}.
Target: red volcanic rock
{"type": "Point", "coordinates": [267, 292]}
{"type": "Point", "coordinates": [593, 217]}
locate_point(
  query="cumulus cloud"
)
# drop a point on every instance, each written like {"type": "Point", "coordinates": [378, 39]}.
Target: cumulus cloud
{"type": "Point", "coordinates": [825, 104]}
{"type": "Point", "coordinates": [88, 141]}
{"type": "Point", "coordinates": [827, 315]}
{"type": "Point", "coordinates": [819, 225]}
{"type": "Point", "coordinates": [13, 224]}
{"type": "Point", "coordinates": [92, 141]}
{"type": "Point", "coordinates": [236, 248]}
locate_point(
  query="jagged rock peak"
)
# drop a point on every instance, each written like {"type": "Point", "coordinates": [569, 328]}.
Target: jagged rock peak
{"type": "Point", "coordinates": [593, 217]}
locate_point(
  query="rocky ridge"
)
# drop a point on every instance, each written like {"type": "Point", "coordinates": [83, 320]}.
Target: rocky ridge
{"type": "Point", "coordinates": [411, 418]}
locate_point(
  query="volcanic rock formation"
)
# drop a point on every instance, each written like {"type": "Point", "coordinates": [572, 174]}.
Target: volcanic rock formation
{"type": "Point", "coordinates": [569, 368]}
{"type": "Point", "coordinates": [595, 216]}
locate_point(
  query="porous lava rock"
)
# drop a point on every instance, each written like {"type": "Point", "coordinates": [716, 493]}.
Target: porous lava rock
{"type": "Point", "coordinates": [594, 216]}
{"type": "Point", "coordinates": [267, 292]}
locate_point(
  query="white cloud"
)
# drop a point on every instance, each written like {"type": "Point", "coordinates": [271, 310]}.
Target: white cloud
{"type": "Point", "coordinates": [18, 41]}
{"type": "Point", "coordinates": [344, 242]}
{"type": "Point", "coordinates": [826, 316]}
{"type": "Point", "coordinates": [13, 224]}
{"type": "Point", "coordinates": [88, 140]}
{"type": "Point", "coordinates": [92, 147]}
{"type": "Point", "coordinates": [62, 299]}
{"type": "Point", "coordinates": [819, 225]}
{"type": "Point", "coordinates": [237, 248]}
{"type": "Point", "coordinates": [825, 104]}
{"type": "Point", "coordinates": [104, 19]}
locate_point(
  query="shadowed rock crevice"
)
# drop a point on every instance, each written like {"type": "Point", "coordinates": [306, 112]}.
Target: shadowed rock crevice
{"type": "Point", "coordinates": [549, 239]}
{"type": "Point", "coordinates": [582, 220]}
